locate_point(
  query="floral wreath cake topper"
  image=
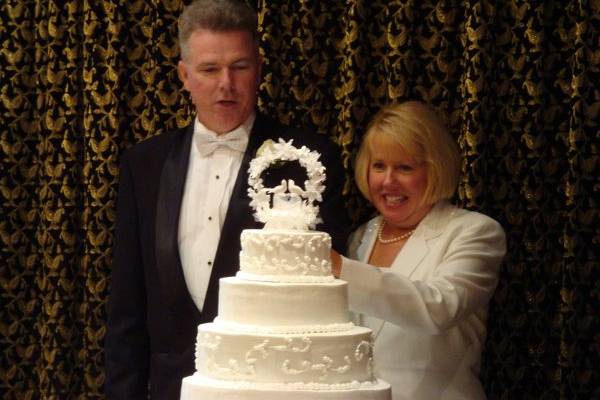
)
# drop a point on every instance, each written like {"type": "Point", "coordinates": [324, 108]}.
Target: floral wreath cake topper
{"type": "Point", "coordinates": [286, 206]}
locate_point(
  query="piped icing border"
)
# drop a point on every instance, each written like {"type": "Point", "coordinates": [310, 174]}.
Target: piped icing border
{"type": "Point", "coordinates": [282, 330]}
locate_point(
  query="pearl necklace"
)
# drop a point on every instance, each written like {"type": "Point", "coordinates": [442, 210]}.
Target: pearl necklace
{"type": "Point", "coordinates": [393, 239]}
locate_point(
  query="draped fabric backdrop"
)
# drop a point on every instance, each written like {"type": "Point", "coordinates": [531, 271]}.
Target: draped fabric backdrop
{"type": "Point", "coordinates": [517, 82]}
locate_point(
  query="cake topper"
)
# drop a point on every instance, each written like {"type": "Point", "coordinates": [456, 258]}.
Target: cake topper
{"type": "Point", "coordinates": [286, 206]}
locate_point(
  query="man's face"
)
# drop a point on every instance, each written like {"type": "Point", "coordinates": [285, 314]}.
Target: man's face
{"type": "Point", "coordinates": [221, 72]}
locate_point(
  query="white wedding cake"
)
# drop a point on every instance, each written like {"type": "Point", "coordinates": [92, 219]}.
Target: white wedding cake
{"type": "Point", "coordinates": [283, 328]}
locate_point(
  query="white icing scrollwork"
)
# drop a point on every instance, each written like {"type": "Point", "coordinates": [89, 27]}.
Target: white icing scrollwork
{"type": "Point", "coordinates": [257, 352]}
{"type": "Point", "coordinates": [293, 354]}
{"type": "Point", "coordinates": [324, 367]}
{"type": "Point", "coordinates": [289, 254]}
{"type": "Point", "coordinates": [211, 342]}
{"type": "Point", "coordinates": [363, 349]}
{"type": "Point", "coordinates": [294, 345]}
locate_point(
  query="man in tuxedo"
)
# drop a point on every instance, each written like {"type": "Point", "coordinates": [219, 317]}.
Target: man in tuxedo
{"type": "Point", "coordinates": [183, 203]}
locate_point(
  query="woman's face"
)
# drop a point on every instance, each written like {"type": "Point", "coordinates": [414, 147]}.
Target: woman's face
{"type": "Point", "coordinates": [397, 184]}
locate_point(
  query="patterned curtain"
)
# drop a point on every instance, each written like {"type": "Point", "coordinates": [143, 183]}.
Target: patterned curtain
{"type": "Point", "coordinates": [515, 80]}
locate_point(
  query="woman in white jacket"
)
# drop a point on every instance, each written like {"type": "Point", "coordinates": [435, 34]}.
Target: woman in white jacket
{"type": "Point", "coordinates": [422, 272]}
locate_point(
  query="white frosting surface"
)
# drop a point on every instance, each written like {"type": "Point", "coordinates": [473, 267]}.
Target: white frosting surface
{"type": "Point", "coordinates": [282, 304]}
{"type": "Point", "coordinates": [284, 255]}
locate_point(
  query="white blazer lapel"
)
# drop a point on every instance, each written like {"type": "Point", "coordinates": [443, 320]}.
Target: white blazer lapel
{"type": "Point", "coordinates": [367, 241]}
{"type": "Point", "coordinates": [414, 251]}
{"type": "Point", "coordinates": [417, 247]}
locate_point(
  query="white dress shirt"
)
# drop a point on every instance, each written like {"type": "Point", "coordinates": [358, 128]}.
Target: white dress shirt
{"type": "Point", "coordinates": [208, 186]}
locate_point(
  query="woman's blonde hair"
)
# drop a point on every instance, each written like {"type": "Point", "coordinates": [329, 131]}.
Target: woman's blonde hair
{"type": "Point", "coordinates": [416, 128]}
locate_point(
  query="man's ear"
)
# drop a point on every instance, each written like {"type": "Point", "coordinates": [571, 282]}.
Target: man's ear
{"type": "Point", "coordinates": [182, 72]}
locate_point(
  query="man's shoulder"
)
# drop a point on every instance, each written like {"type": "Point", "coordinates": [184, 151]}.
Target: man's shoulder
{"type": "Point", "coordinates": [156, 144]}
{"type": "Point", "coordinates": [300, 134]}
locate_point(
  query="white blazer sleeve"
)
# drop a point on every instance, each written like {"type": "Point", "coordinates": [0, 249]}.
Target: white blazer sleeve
{"type": "Point", "coordinates": [456, 278]}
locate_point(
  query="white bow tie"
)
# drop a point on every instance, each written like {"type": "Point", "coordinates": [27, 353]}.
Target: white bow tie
{"type": "Point", "coordinates": [236, 140]}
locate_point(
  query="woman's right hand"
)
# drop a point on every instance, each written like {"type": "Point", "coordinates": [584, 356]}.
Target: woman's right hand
{"type": "Point", "coordinates": [336, 263]}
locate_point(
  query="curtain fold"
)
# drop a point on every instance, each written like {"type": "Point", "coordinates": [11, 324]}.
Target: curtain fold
{"type": "Point", "coordinates": [516, 81]}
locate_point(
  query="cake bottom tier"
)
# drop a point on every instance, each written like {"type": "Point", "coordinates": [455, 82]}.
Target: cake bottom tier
{"type": "Point", "coordinates": [197, 387]}
{"type": "Point", "coordinates": [303, 358]}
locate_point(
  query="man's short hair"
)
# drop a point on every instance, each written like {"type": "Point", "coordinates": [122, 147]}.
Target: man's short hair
{"type": "Point", "coordinates": [216, 16]}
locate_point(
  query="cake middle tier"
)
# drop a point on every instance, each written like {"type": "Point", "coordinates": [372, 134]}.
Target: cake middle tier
{"type": "Point", "coordinates": [282, 305]}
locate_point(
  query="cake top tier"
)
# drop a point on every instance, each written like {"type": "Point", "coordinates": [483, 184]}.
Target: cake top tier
{"type": "Point", "coordinates": [288, 205]}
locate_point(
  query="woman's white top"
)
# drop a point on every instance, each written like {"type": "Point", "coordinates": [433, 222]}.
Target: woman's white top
{"type": "Point", "coordinates": [428, 310]}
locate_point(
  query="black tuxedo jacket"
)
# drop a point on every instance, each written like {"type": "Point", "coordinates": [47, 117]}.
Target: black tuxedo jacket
{"type": "Point", "coordinates": [152, 319]}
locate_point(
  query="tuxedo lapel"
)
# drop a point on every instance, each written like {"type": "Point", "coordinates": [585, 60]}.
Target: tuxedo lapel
{"type": "Point", "coordinates": [239, 216]}
{"type": "Point", "coordinates": [170, 193]}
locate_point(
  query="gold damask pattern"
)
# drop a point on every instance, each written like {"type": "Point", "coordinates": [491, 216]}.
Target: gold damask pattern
{"type": "Point", "coordinates": [515, 80]}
